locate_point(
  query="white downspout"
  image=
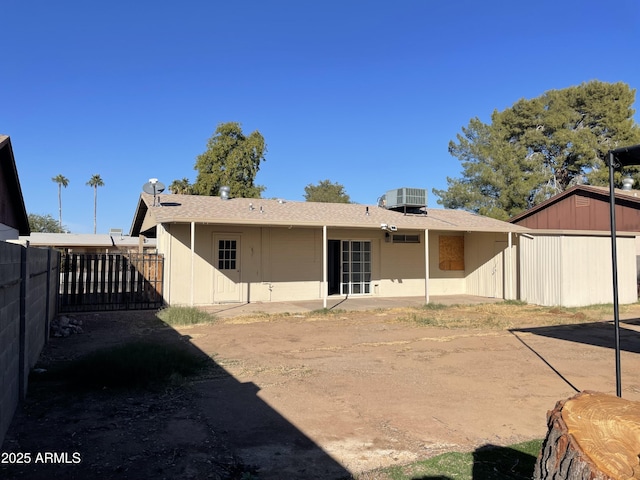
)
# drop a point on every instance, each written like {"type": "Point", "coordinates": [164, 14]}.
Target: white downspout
{"type": "Point", "coordinates": [193, 259]}
{"type": "Point", "coordinates": [426, 266]}
{"type": "Point", "coordinates": [325, 289]}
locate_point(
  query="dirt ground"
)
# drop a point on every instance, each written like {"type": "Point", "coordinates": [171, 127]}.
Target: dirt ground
{"type": "Point", "coordinates": [311, 397]}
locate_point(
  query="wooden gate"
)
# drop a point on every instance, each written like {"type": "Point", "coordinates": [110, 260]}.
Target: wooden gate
{"type": "Point", "coordinates": [98, 282]}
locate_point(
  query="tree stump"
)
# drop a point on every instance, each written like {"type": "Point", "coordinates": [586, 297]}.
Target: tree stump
{"type": "Point", "coordinates": [592, 436]}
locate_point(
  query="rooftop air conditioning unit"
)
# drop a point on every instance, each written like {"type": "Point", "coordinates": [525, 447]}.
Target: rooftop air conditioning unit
{"type": "Point", "coordinates": [406, 198]}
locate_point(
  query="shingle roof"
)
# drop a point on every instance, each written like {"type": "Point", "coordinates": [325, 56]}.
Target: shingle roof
{"type": "Point", "coordinates": [175, 208]}
{"type": "Point", "coordinates": [619, 193]}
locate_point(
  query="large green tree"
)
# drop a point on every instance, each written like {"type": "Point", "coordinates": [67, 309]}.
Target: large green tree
{"type": "Point", "coordinates": [326, 192]}
{"type": "Point", "coordinates": [540, 147]}
{"type": "Point", "coordinates": [95, 181]}
{"type": "Point", "coordinates": [45, 223]}
{"type": "Point", "coordinates": [231, 159]}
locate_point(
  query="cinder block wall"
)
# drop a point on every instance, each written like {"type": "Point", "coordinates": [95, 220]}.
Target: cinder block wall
{"type": "Point", "coordinates": [10, 285]}
{"type": "Point", "coordinates": [28, 298]}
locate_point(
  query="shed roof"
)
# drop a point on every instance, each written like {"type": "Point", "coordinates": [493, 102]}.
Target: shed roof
{"type": "Point", "coordinates": [175, 208]}
{"type": "Point", "coordinates": [632, 196]}
{"type": "Point", "coordinates": [14, 213]}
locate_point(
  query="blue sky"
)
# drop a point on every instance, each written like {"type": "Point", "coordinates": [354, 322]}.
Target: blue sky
{"type": "Point", "coordinates": [365, 93]}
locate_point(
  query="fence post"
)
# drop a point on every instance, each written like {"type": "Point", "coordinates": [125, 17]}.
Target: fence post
{"type": "Point", "coordinates": [22, 347]}
{"type": "Point", "coordinates": [47, 299]}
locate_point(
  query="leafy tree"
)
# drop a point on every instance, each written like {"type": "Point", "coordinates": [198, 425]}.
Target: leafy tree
{"type": "Point", "coordinates": [62, 181]}
{"type": "Point", "coordinates": [181, 187]}
{"type": "Point", "coordinates": [540, 147]}
{"type": "Point", "coordinates": [231, 159]}
{"type": "Point", "coordinates": [326, 192]}
{"type": "Point", "coordinates": [45, 223]}
{"type": "Point", "coordinates": [95, 181]}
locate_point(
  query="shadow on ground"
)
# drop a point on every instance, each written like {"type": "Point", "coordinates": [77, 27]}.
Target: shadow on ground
{"type": "Point", "coordinates": [439, 477]}
{"type": "Point", "coordinates": [599, 334]}
{"type": "Point", "coordinates": [490, 462]}
{"type": "Point", "coordinates": [209, 427]}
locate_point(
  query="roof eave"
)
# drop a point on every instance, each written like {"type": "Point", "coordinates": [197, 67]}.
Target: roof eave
{"type": "Point", "coordinates": [141, 222]}
{"type": "Point", "coordinates": [11, 174]}
{"type": "Point", "coordinates": [150, 223]}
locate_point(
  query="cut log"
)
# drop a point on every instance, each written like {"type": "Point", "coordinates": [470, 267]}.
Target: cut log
{"type": "Point", "coordinates": [592, 436]}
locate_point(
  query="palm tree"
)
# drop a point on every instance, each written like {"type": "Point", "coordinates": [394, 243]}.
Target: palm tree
{"type": "Point", "coordinates": [181, 186]}
{"type": "Point", "coordinates": [95, 181]}
{"type": "Point", "coordinates": [62, 181]}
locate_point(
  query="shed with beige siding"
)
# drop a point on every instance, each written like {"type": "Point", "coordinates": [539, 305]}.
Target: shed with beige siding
{"type": "Point", "coordinates": [255, 250]}
{"type": "Point", "coordinates": [573, 268]}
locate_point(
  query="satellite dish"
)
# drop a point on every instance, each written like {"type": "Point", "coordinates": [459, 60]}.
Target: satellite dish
{"type": "Point", "coordinates": [153, 187]}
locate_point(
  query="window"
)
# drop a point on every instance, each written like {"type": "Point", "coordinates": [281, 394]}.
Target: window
{"type": "Point", "coordinates": [451, 252]}
{"type": "Point", "coordinates": [406, 238]}
{"type": "Point", "coordinates": [227, 254]}
{"type": "Point", "coordinates": [355, 267]}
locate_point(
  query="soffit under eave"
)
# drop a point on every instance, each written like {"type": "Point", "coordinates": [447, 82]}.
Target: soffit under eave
{"type": "Point", "coordinates": [143, 220]}
{"type": "Point", "coordinates": [150, 223]}
{"type": "Point", "coordinates": [147, 224]}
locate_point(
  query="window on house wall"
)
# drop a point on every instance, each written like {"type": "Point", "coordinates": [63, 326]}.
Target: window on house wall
{"type": "Point", "coordinates": [356, 267]}
{"type": "Point", "coordinates": [399, 238]}
{"type": "Point", "coordinates": [227, 254]}
{"type": "Point", "coordinates": [451, 252]}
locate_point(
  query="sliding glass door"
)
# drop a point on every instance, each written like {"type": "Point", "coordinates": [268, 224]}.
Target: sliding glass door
{"type": "Point", "coordinates": [356, 267]}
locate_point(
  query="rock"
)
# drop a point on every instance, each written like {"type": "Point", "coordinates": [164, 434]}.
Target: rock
{"type": "Point", "coordinates": [64, 326]}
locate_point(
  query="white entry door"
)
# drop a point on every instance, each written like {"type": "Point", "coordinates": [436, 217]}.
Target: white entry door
{"type": "Point", "coordinates": [227, 282]}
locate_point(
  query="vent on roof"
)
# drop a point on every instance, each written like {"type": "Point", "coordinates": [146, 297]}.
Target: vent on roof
{"type": "Point", "coordinates": [627, 183]}
{"type": "Point", "coordinates": [408, 200]}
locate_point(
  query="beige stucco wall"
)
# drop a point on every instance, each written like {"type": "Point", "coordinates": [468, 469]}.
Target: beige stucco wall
{"type": "Point", "coordinates": [444, 282]}
{"type": "Point", "coordinates": [275, 264]}
{"type": "Point", "coordinates": [285, 264]}
{"type": "Point", "coordinates": [401, 268]}
{"type": "Point", "coordinates": [575, 271]}
{"type": "Point", "coordinates": [486, 266]}
{"type": "Point", "coordinates": [491, 266]}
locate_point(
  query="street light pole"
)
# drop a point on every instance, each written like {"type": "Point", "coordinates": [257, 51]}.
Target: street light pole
{"type": "Point", "coordinates": [614, 270]}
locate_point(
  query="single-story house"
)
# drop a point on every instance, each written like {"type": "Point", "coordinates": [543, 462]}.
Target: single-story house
{"type": "Point", "coordinates": [256, 250]}
{"type": "Point", "coordinates": [246, 250]}
{"type": "Point", "coordinates": [13, 214]}
{"type": "Point", "coordinates": [113, 242]}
